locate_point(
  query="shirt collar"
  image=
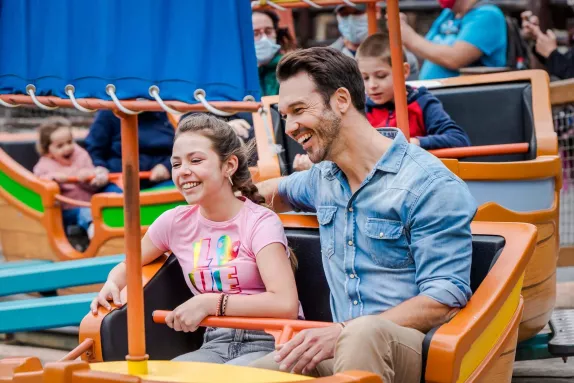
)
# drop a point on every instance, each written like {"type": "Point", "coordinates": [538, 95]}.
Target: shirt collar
{"type": "Point", "coordinates": [390, 162]}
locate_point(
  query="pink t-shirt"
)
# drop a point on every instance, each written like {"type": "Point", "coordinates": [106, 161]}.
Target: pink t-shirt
{"type": "Point", "coordinates": [219, 256]}
{"type": "Point", "coordinates": [47, 167]}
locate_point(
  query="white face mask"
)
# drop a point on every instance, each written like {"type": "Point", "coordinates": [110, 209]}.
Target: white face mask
{"type": "Point", "coordinates": [265, 50]}
{"type": "Point", "coordinates": [354, 28]}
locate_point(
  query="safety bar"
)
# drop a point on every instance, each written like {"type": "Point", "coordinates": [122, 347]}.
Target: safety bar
{"type": "Point", "coordinates": [282, 329]}
{"type": "Point", "coordinates": [111, 177]}
{"type": "Point", "coordinates": [484, 150]}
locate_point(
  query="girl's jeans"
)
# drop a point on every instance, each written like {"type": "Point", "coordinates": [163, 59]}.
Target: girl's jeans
{"type": "Point", "coordinates": [231, 346]}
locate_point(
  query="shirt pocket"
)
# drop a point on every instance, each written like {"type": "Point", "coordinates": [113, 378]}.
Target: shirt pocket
{"type": "Point", "coordinates": [387, 242]}
{"type": "Point", "coordinates": [326, 218]}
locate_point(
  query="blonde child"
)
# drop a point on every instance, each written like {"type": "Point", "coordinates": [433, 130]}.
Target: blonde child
{"type": "Point", "coordinates": [232, 250]}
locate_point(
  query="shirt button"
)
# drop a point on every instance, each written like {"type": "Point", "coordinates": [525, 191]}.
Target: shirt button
{"type": "Point", "coordinates": [350, 243]}
{"type": "Point", "coordinates": [381, 235]}
{"type": "Point", "coordinates": [352, 276]}
{"type": "Point", "coordinates": [351, 209]}
{"type": "Point", "coordinates": [355, 303]}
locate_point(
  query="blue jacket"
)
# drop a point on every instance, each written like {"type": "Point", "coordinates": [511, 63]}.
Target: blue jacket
{"type": "Point", "coordinates": [156, 136]}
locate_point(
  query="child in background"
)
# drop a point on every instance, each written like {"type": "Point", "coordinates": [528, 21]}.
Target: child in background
{"type": "Point", "coordinates": [430, 126]}
{"type": "Point", "coordinates": [233, 251]}
{"type": "Point", "coordinates": [60, 158]}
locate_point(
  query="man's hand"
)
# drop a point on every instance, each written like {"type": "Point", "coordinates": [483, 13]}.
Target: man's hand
{"type": "Point", "coordinates": [101, 178]}
{"type": "Point", "coordinates": [546, 43]}
{"type": "Point", "coordinates": [241, 128]}
{"type": "Point", "coordinates": [307, 349]}
{"type": "Point", "coordinates": [302, 162]}
{"type": "Point", "coordinates": [159, 173]}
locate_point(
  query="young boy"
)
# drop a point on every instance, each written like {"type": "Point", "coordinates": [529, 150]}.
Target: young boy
{"type": "Point", "coordinates": [429, 125]}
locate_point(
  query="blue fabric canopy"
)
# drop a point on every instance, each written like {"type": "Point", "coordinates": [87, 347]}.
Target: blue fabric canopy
{"type": "Point", "coordinates": [178, 45]}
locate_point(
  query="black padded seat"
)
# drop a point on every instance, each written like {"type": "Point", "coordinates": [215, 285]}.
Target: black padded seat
{"type": "Point", "coordinates": [493, 114]}
{"type": "Point", "coordinates": [167, 290]}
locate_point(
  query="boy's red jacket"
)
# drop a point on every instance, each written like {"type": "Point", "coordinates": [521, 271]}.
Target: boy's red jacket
{"type": "Point", "coordinates": [428, 121]}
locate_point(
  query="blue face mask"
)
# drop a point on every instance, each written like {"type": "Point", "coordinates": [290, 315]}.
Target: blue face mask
{"type": "Point", "coordinates": [265, 50]}
{"type": "Point", "coordinates": [354, 28]}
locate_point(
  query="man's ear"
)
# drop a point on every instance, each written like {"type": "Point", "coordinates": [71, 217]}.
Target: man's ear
{"type": "Point", "coordinates": [342, 100]}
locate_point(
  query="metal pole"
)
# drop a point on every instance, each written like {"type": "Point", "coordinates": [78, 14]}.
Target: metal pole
{"type": "Point", "coordinates": [137, 357]}
{"type": "Point", "coordinates": [397, 62]}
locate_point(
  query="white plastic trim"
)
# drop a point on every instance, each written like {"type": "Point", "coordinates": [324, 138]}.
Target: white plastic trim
{"type": "Point", "coordinates": [70, 89]}
{"type": "Point", "coordinates": [31, 89]}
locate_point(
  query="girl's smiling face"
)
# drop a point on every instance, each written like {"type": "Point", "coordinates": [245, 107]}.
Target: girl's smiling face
{"type": "Point", "coordinates": [197, 170]}
{"type": "Point", "coordinates": [61, 146]}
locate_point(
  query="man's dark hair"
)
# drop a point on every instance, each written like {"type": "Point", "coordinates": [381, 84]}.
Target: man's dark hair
{"type": "Point", "coordinates": [329, 69]}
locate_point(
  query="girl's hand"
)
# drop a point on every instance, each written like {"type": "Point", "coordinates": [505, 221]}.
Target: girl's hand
{"type": "Point", "coordinates": [59, 177]}
{"type": "Point", "coordinates": [101, 178]}
{"type": "Point", "coordinates": [85, 174]}
{"type": "Point", "coordinates": [110, 291]}
{"type": "Point", "coordinates": [159, 173]}
{"type": "Point", "coordinates": [187, 316]}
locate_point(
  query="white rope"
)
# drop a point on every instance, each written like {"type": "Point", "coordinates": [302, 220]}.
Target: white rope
{"type": "Point", "coordinates": [30, 89]}
{"type": "Point", "coordinates": [7, 105]}
{"type": "Point", "coordinates": [111, 91]}
{"type": "Point", "coordinates": [278, 7]}
{"type": "Point", "coordinates": [154, 92]}
{"type": "Point", "coordinates": [275, 148]}
{"type": "Point", "coordinates": [199, 95]}
{"type": "Point", "coordinates": [312, 4]}
{"type": "Point", "coordinates": [70, 89]}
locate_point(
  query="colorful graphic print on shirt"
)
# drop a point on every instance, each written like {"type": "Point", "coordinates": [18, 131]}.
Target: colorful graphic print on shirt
{"type": "Point", "coordinates": [211, 272]}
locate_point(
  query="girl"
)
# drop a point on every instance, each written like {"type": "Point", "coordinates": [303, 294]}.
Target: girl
{"type": "Point", "coordinates": [232, 250]}
{"type": "Point", "coordinates": [61, 157]}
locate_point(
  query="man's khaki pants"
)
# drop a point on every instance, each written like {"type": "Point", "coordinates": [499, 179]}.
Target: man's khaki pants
{"type": "Point", "coordinates": [372, 344]}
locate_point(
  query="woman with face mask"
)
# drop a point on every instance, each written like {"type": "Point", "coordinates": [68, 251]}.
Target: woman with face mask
{"type": "Point", "coordinates": [466, 33]}
{"type": "Point", "coordinates": [353, 25]}
{"type": "Point", "coordinates": [271, 42]}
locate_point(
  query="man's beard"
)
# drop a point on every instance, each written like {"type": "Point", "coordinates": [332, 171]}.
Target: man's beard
{"type": "Point", "coordinates": [328, 130]}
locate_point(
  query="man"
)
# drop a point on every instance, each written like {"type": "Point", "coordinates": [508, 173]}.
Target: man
{"type": "Point", "coordinates": [354, 28]}
{"type": "Point", "coordinates": [467, 33]}
{"type": "Point", "coordinates": [394, 226]}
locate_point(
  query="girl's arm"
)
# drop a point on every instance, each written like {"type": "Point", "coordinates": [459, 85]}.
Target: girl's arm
{"type": "Point", "coordinates": [279, 301]}
{"type": "Point", "coordinates": [117, 278]}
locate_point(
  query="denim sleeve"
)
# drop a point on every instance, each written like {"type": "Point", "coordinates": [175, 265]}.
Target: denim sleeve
{"type": "Point", "coordinates": [441, 240]}
{"type": "Point", "coordinates": [299, 188]}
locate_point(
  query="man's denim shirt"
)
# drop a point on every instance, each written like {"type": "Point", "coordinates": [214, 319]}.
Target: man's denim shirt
{"type": "Point", "coordinates": [404, 232]}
